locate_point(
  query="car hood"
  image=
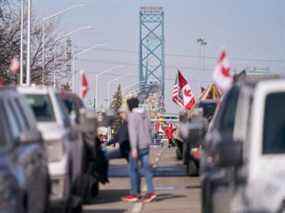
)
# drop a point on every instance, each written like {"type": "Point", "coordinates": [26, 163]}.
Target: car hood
{"type": "Point", "coordinates": [51, 130]}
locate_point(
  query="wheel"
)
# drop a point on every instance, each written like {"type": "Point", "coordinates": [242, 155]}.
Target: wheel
{"type": "Point", "coordinates": [178, 154]}
{"type": "Point", "coordinates": [91, 189]}
{"type": "Point", "coordinates": [95, 189]}
{"type": "Point", "coordinates": [206, 197]}
{"type": "Point", "coordinates": [192, 169]}
{"type": "Point", "coordinates": [73, 205]}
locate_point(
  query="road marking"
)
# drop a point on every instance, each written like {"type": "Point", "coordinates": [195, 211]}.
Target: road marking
{"type": "Point", "coordinates": [137, 208]}
{"type": "Point", "coordinates": [165, 188]}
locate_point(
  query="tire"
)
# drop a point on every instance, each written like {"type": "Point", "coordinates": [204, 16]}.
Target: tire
{"type": "Point", "coordinates": [95, 189]}
{"type": "Point", "coordinates": [73, 205]}
{"type": "Point", "coordinates": [192, 169]}
{"type": "Point", "coordinates": [178, 154]}
{"type": "Point", "coordinates": [206, 196]}
{"type": "Point", "coordinates": [91, 189]}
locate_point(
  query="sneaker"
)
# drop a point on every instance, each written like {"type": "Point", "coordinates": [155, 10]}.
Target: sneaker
{"type": "Point", "coordinates": [149, 197]}
{"type": "Point", "coordinates": [130, 198]}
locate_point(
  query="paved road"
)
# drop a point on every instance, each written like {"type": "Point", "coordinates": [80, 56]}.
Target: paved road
{"type": "Point", "coordinates": [176, 192]}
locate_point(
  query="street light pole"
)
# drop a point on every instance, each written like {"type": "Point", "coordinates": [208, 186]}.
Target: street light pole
{"type": "Point", "coordinates": [109, 87]}
{"type": "Point", "coordinates": [28, 81]}
{"type": "Point", "coordinates": [97, 81]}
{"type": "Point", "coordinates": [66, 35]}
{"type": "Point", "coordinates": [43, 33]}
{"type": "Point", "coordinates": [22, 45]}
{"type": "Point", "coordinates": [74, 56]}
{"type": "Point", "coordinates": [130, 86]}
{"type": "Point", "coordinates": [202, 42]}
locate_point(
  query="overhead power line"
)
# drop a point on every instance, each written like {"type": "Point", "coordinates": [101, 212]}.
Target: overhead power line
{"type": "Point", "coordinates": [126, 51]}
{"type": "Point", "coordinates": [111, 62]}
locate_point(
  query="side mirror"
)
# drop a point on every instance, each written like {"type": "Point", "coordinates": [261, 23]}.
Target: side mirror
{"type": "Point", "coordinates": [29, 137]}
{"type": "Point", "coordinates": [229, 153]}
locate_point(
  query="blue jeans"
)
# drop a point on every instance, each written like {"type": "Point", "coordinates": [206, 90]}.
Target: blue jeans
{"type": "Point", "coordinates": [134, 171]}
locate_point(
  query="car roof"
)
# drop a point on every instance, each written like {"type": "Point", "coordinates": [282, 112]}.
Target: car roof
{"type": "Point", "coordinates": [253, 80]}
{"type": "Point", "coordinates": [8, 90]}
{"type": "Point", "coordinates": [41, 90]}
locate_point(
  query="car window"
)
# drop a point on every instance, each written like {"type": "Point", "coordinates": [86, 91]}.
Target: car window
{"type": "Point", "coordinates": [42, 107]}
{"type": "Point", "coordinates": [229, 112]}
{"type": "Point", "coordinates": [3, 141]}
{"type": "Point", "coordinates": [274, 124]}
{"type": "Point", "coordinates": [70, 106]}
{"type": "Point", "coordinates": [208, 109]}
{"type": "Point", "coordinates": [14, 123]}
{"type": "Point", "coordinates": [63, 111]}
{"type": "Point", "coordinates": [22, 114]}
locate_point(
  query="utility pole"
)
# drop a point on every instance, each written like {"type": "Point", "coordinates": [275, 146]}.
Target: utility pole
{"type": "Point", "coordinates": [28, 81]}
{"type": "Point", "coordinates": [22, 45]}
{"type": "Point", "coordinates": [203, 43]}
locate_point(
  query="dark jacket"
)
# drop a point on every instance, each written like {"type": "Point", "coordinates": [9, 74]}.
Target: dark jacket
{"type": "Point", "coordinates": [122, 138]}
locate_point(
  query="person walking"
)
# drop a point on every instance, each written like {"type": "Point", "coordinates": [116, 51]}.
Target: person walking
{"type": "Point", "coordinates": [140, 140]}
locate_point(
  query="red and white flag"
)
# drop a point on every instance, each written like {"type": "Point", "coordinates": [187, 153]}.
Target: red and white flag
{"type": "Point", "coordinates": [84, 85]}
{"type": "Point", "coordinates": [182, 93]}
{"type": "Point", "coordinates": [175, 94]}
{"type": "Point", "coordinates": [222, 76]}
{"type": "Point", "coordinates": [14, 66]}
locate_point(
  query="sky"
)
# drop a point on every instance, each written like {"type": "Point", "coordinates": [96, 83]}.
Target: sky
{"type": "Point", "coordinates": [252, 32]}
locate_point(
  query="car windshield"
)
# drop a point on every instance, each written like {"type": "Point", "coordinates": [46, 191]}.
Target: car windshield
{"type": "Point", "coordinates": [208, 108]}
{"type": "Point", "coordinates": [69, 105]}
{"type": "Point", "coordinates": [42, 107]}
{"type": "Point", "coordinates": [3, 141]}
{"type": "Point", "coordinates": [274, 124]}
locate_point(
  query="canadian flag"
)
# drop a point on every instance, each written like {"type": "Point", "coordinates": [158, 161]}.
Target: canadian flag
{"type": "Point", "coordinates": [185, 93]}
{"type": "Point", "coordinates": [84, 84]}
{"type": "Point", "coordinates": [222, 76]}
{"type": "Point", "coordinates": [14, 66]}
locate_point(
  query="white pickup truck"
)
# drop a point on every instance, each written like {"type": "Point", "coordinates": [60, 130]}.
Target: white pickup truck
{"type": "Point", "coordinates": [256, 153]}
{"type": "Point", "coordinates": [63, 143]}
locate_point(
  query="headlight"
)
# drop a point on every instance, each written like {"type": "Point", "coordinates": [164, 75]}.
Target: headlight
{"type": "Point", "coordinates": [55, 150]}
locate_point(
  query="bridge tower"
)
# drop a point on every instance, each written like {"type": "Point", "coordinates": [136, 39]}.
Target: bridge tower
{"type": "Point", "coordinates": [151, 49]}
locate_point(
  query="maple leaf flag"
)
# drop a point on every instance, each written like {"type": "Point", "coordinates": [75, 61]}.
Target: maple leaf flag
{"type": "Point", "coordinates": [188, 98]}
{"type": "Point", "coordinates": [182, 93]}
{"type": "Point", "coordinates": [14, 66]}
{"type": "Point", "coordinates": [222, 76]}
{"type": "Point", "coordinates": [84, 85]}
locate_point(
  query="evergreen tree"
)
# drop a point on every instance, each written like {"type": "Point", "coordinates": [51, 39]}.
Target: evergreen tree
{"type": "Point", "coordinates": [117, 100]}
{"type": "Point", "coordinates": [115, 106]}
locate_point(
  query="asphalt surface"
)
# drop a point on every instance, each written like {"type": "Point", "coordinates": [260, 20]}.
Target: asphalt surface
{"type": "Point", "coordinates": [176, 192]}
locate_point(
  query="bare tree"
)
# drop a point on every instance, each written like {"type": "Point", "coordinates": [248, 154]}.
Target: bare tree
{"type": "Point", "coordinates": [10, 45]}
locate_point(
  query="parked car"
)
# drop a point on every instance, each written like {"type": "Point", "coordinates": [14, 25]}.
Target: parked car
{"type": "Point", "coordinates": [209, 108]}
{"type": "Point", "coordinates": [256, 152]}
{"type": "Point", "coordinates": [193, 132]}
{"type": "Point", "coordinates": [63, 143]}
{"type": "Point", "coordinates": [215, 179]}
{"type": "Point", "coordinates": [24, 177]}
{"type": "Point", "coordinates": [86, 121]}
